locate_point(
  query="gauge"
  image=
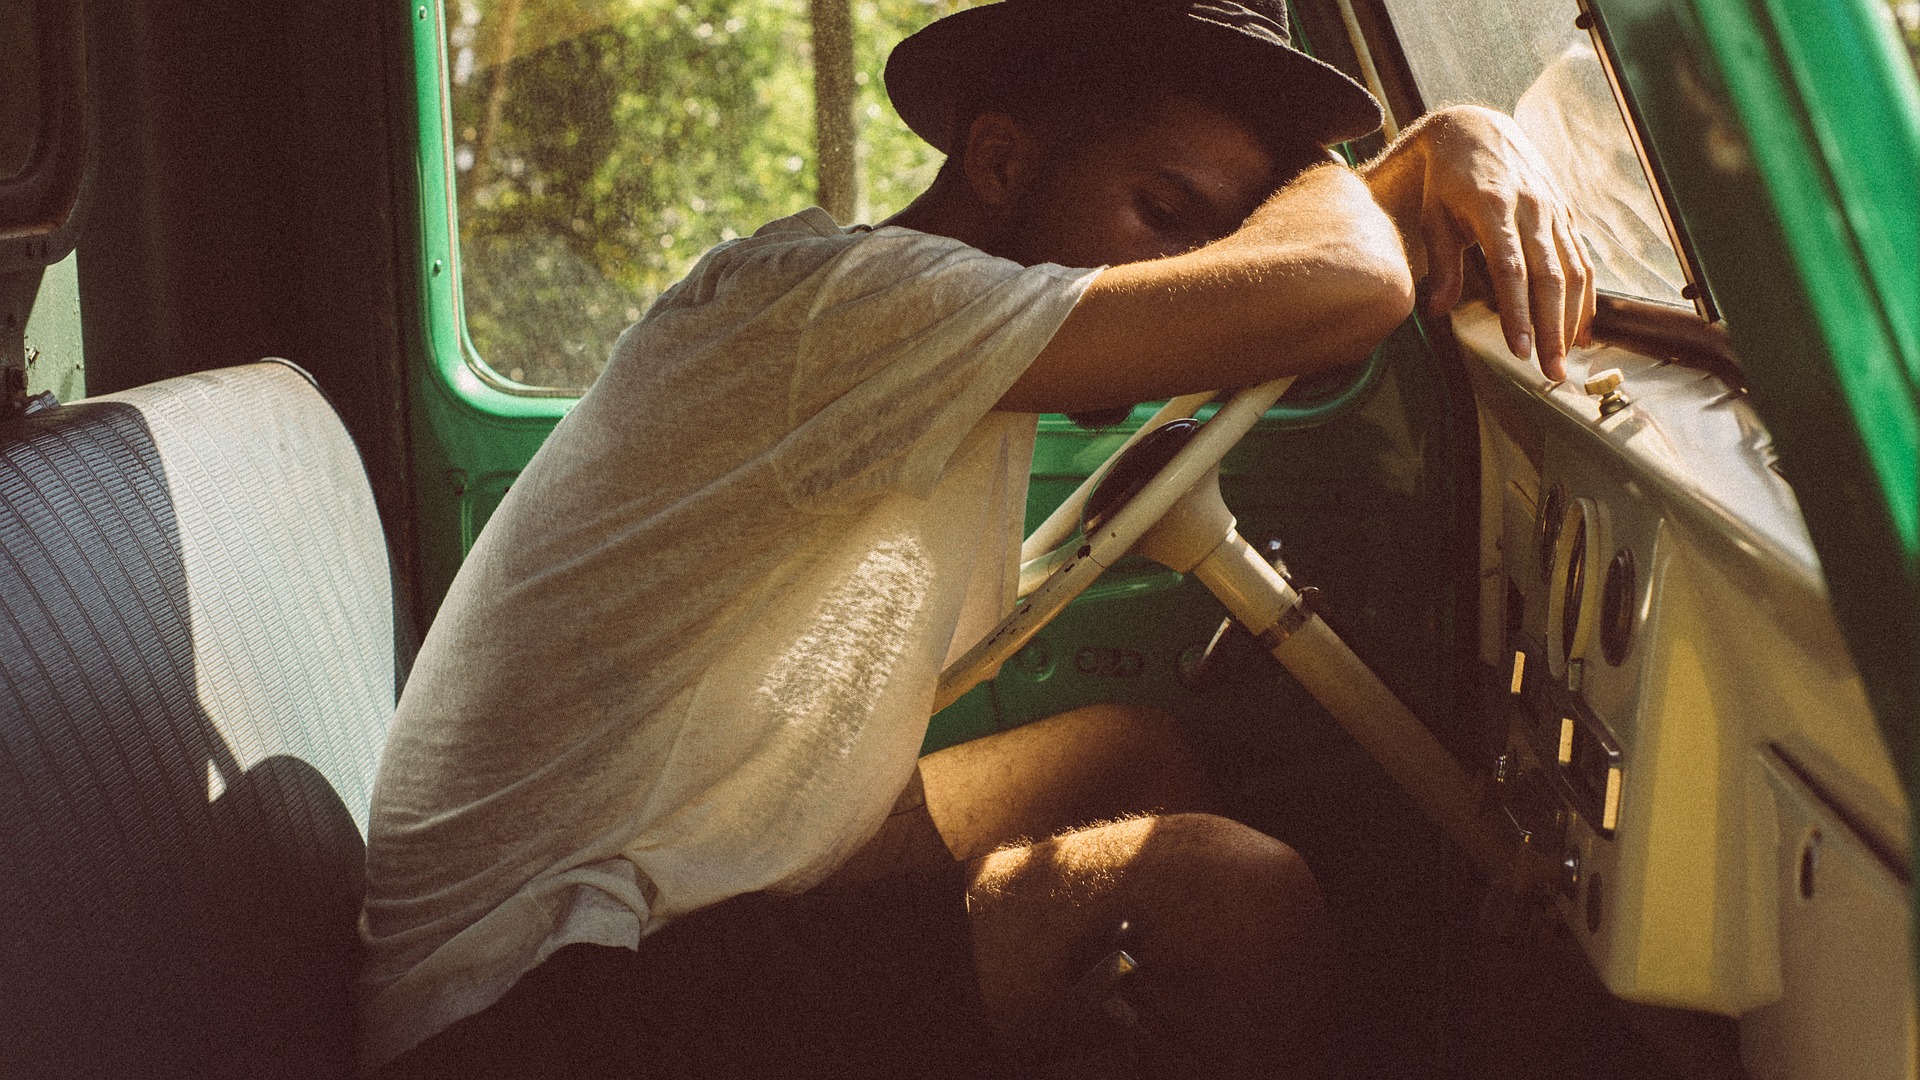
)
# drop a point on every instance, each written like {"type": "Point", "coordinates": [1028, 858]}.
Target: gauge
{"type": "Point", "coordinates": [1573, 586]}
{"type": "Point", "coordinates": [1553, 506]}
{"type": "Point", "coordinates": [1616, 607]}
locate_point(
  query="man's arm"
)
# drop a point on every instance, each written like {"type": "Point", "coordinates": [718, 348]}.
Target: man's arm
{"type": "Point", "coordinates": [1314, 278]}
{"type": "Point", "coordinates": [1324, 270]}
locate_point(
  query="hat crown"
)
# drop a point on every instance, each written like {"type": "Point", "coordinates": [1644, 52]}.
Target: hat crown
{"type": "Point", "coordinates": [1265, 19]}
{"type": "Point", "coordinates": [1243, 48]}
{"type": "Point", "coordinates": [1259, 18]}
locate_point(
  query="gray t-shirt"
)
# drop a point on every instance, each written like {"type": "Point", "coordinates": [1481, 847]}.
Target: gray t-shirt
{"type": "Point", "coordinates": [693, 653]}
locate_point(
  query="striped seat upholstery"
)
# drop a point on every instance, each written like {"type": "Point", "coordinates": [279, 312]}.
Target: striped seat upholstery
{"type": "Point", "coordinates": [197, 668]}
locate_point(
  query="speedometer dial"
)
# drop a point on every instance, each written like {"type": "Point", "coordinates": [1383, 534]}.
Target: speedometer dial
{"type": "Point", "coordinates": [1573, 585]}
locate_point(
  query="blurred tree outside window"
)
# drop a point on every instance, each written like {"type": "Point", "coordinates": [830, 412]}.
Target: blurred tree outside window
{"type": "Point", "coordinates": [601, 146]}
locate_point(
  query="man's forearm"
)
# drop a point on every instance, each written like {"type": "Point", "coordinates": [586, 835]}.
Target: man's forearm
{"type": "Point", "coordinates": [1396, 178]}
{"type": "Point", "coordinates": [1315, 277]}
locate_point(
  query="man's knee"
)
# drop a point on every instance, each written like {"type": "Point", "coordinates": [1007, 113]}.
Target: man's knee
{"type": "Point", "coordinates": [1090, 765]}
{"type": "Point", "coordinates": [1230, 890]}
{"type": "Point", "coordinates": [1128, 723]}
{"type": "Point", "coordinates": [1225, 923]}
{"type": "Point", "coordinates": [1200, 869]}
{"type": "Point", "coordinates": [1123, 728]}
{"type": "Point", "coordinates": [1224, 850]}
{"type": "Point", "coordinates": [1234, 947]}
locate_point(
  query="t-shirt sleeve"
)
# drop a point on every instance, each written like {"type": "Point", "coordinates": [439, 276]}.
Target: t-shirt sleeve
{"type": "Point", "coordinates": [909, 341]}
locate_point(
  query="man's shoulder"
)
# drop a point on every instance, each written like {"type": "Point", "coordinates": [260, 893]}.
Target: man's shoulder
{"type": "Point", "coordinates": [812, 221]}
{"type": "Point", "coordinates": [785, 253]}
{"type": "Point", "coordinates": [814, 234]}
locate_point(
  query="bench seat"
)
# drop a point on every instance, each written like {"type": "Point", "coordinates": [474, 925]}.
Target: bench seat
{"type": "Point", "coordinates": [198, 662]}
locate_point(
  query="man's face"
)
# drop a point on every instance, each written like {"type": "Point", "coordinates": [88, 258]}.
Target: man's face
{"type": "Point", "coordinates": [1182, 175]}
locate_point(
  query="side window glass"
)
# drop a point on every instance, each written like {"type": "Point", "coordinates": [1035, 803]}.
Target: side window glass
{"type": "Point", "coordinates": [1528, 57]}
{"type": "Point", "coordinates": [600, 146]}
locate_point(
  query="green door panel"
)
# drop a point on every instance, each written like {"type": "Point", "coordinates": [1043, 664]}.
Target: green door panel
{"type": "Point", "coordinates": [1789, 131]}
{"type": "Point", "coordinates": [470, 437]}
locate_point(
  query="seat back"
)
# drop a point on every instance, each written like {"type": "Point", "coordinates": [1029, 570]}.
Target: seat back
{"type": "Point", "coordinates": [197, 668]}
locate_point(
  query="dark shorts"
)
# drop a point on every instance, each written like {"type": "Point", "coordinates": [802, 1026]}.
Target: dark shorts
{"type": "Point", "coordinates": [869, 979]}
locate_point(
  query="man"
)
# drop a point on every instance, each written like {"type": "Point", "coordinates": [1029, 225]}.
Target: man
{"type": "Point", "coordinates": [650, 805]}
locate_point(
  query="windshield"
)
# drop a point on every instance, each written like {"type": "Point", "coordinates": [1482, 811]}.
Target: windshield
{"type": "Point", "coordinates": [1531, 59]}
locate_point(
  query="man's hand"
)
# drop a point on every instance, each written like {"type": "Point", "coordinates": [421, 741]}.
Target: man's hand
{"type": "Point", "coordinates": [1466, 175]}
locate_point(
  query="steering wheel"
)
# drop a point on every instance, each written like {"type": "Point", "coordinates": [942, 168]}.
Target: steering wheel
{"type": "Point", "coordinates": [1175, 516]}
{"type": "Point", "coordinates": [1060, 559]}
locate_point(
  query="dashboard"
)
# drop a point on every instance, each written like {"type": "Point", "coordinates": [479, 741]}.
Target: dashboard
{"type": "Point", "coordinates": [1690, 773]}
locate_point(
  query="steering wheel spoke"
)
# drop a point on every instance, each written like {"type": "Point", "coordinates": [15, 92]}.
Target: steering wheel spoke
{"type": "Point", "coordinates": [1091, 553]}
{"type": "Point", "coordinates": [1041, 547]}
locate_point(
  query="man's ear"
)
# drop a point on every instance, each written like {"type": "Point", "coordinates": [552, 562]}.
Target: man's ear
{"type": "Point", "coordinates": [998, 155]}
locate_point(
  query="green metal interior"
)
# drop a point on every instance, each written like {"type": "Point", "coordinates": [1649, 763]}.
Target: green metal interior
{"type": "Point", "coordinates": [55, 357]}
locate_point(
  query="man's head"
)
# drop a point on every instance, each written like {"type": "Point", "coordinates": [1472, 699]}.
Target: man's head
{"type": "Point", "coordinates": [1163, 176]}
{"type": "Point", "coordinates": [1103, 131]}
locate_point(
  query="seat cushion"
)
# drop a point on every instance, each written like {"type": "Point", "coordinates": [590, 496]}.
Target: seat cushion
{"type": "Point", "coordinates": [198, 660]}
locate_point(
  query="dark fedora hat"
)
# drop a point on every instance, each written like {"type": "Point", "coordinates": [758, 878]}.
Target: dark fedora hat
{"type": "Point", "coordinates": [1241, 53]}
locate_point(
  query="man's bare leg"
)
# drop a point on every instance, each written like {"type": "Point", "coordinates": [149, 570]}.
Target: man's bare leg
{"type": "Point", "coordinates": [1233, 944]}
{"type": "Point", "coordinates": [1226, 922]}
{"type": "Point", "coordinates": [1081, 767]}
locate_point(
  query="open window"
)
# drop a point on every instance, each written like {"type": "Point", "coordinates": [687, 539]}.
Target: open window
{"type": "Point", "coordinates": [596, 150]}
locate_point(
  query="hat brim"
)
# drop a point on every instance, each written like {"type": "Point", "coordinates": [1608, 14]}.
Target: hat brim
{"type": "Point", "coordinates": [935, 76]}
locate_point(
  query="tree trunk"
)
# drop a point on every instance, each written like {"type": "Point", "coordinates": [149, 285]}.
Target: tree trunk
{"type": "Point", "coordinates": [509, 27]}
{"type": "Point", "coordinates": [833, 95]}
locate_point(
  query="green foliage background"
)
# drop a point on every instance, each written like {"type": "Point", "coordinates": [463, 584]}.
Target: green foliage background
{"type": "Point", "coordinates": [601, 146]}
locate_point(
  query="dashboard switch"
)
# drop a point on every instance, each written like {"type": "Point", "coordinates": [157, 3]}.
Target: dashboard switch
{"type": "Point", "coordinates": [1605, 385]}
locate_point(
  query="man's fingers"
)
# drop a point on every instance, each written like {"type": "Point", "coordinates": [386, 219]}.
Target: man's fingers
{"type": "Point", "coordinates": [1507, 265]}
{"type": "Point", "coordinates": [1579, 279]}
{"type": "Point", "coordinates": [1487, 185]}
{"type": "Point", "coordinates": [1546, 284]}
{"type": "Point", "coordinates": [1589, 301]}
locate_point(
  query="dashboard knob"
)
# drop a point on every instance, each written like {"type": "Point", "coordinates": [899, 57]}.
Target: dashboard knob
{"type": "Point", "coordinates": [1605, 385]}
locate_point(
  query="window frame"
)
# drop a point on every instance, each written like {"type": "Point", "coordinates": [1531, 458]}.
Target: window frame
{"type": "Point", "coordinates": [1698, 289]}
{"type": "Point", "coordinates": [464, 370]}
{"type": "Point", "coordinates": [451, 352]}
{"type": "Point", "coordinates": [39, 206]}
